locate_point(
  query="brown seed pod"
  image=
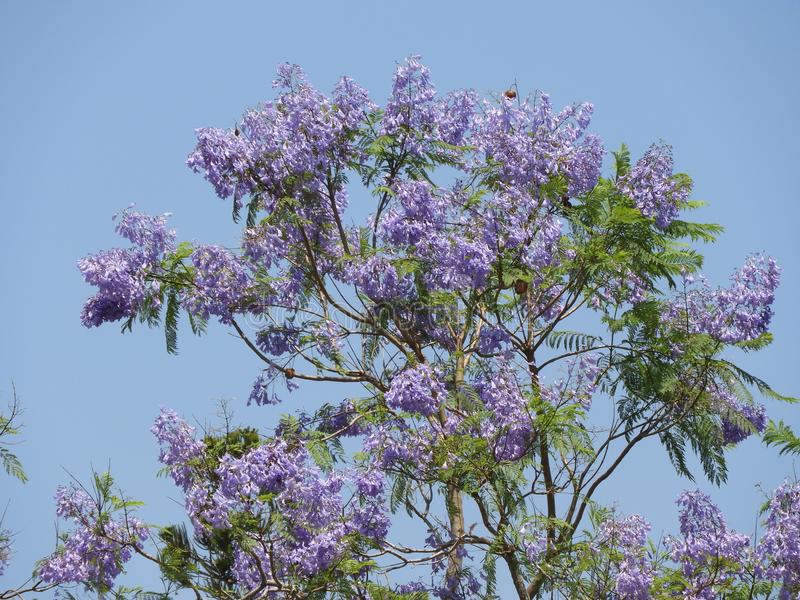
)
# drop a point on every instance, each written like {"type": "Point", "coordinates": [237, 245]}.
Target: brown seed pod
{"type": "Point", "coordinates": [510, 94]}
{"type": "Point", "coordinates": [520, 286]}
{"type": "Point", "coordinates": [289, 372]}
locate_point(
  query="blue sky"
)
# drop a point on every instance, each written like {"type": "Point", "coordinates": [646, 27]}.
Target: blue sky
{"type": "Point", "coordinates": [98, 105]}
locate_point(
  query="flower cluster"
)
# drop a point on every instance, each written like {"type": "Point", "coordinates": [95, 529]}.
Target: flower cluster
{"type": "Point", "coordinates": [286, 146]}
{"type": "Point", "coordinates": [121, 275]}
{"type": "Point", "coordinates": [531, 144]}
{"type": "Point", "coordinates": [416, 390]}
{"type": "Point", "coordinates": [275, 478]}
{"type": "Point", "coordinates": [709, 553]}
{"type": "Point", "coordinates": [779, 550]}
{"type": "Point", "coordinates": [220, 283]}
{"type": "Point", "coordinates": [654, 189]}
{"type": "Point", "coordinates": [510, 428]}
{"type": "Point", "coordinates": [98, 547]}
{"type": "Point", "coordinates": [178, 446]}
{"type": "Point", "coordinates": [739, 313]}
{"type": "Point", "coordinates": [634, 573]}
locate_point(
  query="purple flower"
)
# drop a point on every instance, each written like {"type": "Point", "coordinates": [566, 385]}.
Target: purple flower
{"type": "Point", "coordinates": [709, 552]}
{"type": "Point", "coordinates": [510, 428]}
{"type": "Point", "coordinates": [221, 282]}
{"type": "Point", "coordinates": [779, 549]}
{"type": "Point", "coordinates": [654, 190]}
{"type": "Point", "coordinates": [96, 550]}
{"type": "Point", "coordinates": [492, 340]}
{"type": "Point", "coordinates": [579, 385]}
{"type": "Point", "coordinates": [416, 390]}
{"type": "Point", "coordinates": [530, 144]}
{"type": "Point", "coordinates": [739, 313]}
{"type": "Point", "coordinates": [178, 446]}
{"type": "Point", "coordinates": [121, 275]}
{"type": "Point", "coordinates": [634, 573]}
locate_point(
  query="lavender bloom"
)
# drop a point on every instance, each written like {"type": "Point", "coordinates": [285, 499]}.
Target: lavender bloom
{"type": "Point", "coordinates": [456, 115]}
{"type": "Point", "coordinates": [178, 446]}
{"type": "Point", "coordinates": [278, 341]}
{"type": "Point", "coordinates": [535, 544]}
{"type": "Point", "coordinates": [419, 212]}
{"type": "Point", "coordinates": [654, 190]}
{"type": "Point", "coordinates": [411, 109]}
{"type": "Point", "coordinates": [265, 245]}
{"type": "Point", "coordinates": [223, 158]}
{"type": "Point", "coordinates": [400, 444]}
{"type": "Point", "coordinates": [369, 517]}
{"type": "Point", "coordinates": [97, 549]}
{"type": "Point", "coordinates": [121, 274]}
{"type": "Point", "coordinates": [220, 283]}
{"type": "Point", "coordinates": [286, 146]}
{"type": "Point", "coordinates": [379, 280]}
{"type": "Point", "coordinates": [492, 340]}
{"type": "Point", "coordinates": [709, 553]}
{"type": "Point", "coordinates": [739, 313]}
{"type": "Point", "coordinates": [510, 428]}
{"type": "Point", "coordinates": [310, 504]}
{"type": "Point", "coordinates": [530, 144]}
{"type": "Point", "coordinates": [634, 573]}
{"type": "Point", "coordinates": [779, 549]}
{"type": "Point", "coordinates": [263, 392]}
{"type": "Point", "coordinates": [756, 415]}
{"type": "Point", "coordinates": [455, 262]}
{"type": "Point", "coordinates": [416, 390]}
{"type": "Point", "coordinates": [540, 252]}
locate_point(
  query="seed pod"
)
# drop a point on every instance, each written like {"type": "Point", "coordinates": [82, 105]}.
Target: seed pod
{"type": "Point", "coordinates": [510, 94]}
{"type": "Point", "coordinates": [289, 372]}
{"type": "Point", "coordinates": [520, 287]}
{"type": "Point", "coordinates": [236, 131]}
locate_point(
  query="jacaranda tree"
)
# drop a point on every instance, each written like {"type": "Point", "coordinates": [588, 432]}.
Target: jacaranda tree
{"type": "Point", "coordinates": [511, 324]}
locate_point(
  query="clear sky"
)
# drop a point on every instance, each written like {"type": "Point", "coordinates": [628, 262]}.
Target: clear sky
{"type": "Point", "coordinates": [98, 105]}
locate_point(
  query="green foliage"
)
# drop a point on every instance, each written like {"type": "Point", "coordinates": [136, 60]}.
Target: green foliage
{"type": "Point", "coordinates": [781, 435]}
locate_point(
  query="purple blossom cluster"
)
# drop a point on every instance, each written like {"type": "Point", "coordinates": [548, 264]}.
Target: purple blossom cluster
{"type": "Point", "coordinates": [779, 549]}
{"type": "Point", "coordinates": [754, 414]}
{"type": "Point", "coordinates": [738, 313]}
{"type": "Point", "coordinates": [285, 147]}
{"type": "Point", "coordinates": [378, 278]}
{"type": "Point", "coordinates": [531, 144]}
{"type": "Point", "coordinates": [311, 506]}
{"type": "Point", "coordinates": [709, 553]}
{"type": "Point", "coordinates": [96, 550]}
{"type": "Point", "coordinates": [121, 275]}
{"type": "Point", "coordinates": [492, 340]}
{"type": "Point", "coordinates": [396, 442]}
{"type": "Point", "coordinates": [179, 448]}
{"type": "Point", "coordinates": [220, 283]}
{"type": "Point", "coordinates": [510, 428]}
{"type": "Point", "coordinates": [634, 573]}
{"type": "Point", "coordinates": [653, 188]}
{"type": "Point", "coordinates": [416, 390]}
{"type": "Point", "coordinates": [418, 118]}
